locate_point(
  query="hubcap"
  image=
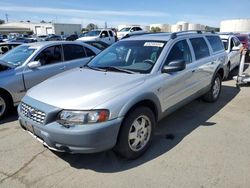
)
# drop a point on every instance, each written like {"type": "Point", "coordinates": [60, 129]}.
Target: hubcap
{"type": "Point", "coordinates": [216, 87]}
{"type": "Point", "coordinates": [139, 133]}
{"type": "Point", "coordinates": [2, 106]}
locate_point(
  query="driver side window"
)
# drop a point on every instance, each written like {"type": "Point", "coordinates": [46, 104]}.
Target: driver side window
{"type": "Point", "coordinates": [105, 34]}
{"type": "Point", "coordinates": [50, 55]}
{"type": "Point", "coordinates": [180, 51]}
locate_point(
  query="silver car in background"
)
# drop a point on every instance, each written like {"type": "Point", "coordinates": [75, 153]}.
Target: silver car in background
{"type": "Point", "coordinates": [118, 97]}
{"type": "Point", "coordinates": [29, 64]}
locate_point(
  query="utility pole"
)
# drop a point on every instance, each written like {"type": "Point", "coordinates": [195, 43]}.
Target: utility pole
{"type": "Point", "coordinates": [7, 17]}
{"type": "Point", "coordinates": [105, 25]}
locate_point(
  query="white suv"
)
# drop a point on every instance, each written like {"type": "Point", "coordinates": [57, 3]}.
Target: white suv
{"type": "Point", "coordinates": [126, 30]}
{"type": "Point", "coordinates": [104, 35]}
{"type": "Point", "coordinates": [232, 46]}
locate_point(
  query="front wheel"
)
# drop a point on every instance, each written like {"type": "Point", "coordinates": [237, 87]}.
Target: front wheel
{"type": "Point", "coordinates": [213, 94]}
{"type": "Point", "coordinates": [136, 133]}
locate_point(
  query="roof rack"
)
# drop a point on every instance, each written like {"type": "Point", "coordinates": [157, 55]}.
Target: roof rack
{"type": "Point", "coordinates": [175, 34]}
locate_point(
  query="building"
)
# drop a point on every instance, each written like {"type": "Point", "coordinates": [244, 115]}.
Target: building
{"type": "Point", "coordinates": [236, 25]}
{"type": "Point", "coordinates": [40, 28]}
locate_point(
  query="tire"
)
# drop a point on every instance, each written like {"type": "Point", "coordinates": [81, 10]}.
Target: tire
{"type": "Point", "coordinates": [133, 142]}
{"type": "Point", "coordinates": [5, 105]}
{"type": "Point", "coordinates": [213, 94]}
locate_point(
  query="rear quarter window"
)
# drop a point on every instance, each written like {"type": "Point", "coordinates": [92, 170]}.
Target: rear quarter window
{"type": "Point", "coordinates": [215, 42]}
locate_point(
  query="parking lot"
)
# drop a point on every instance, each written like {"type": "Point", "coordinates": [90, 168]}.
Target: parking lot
{"type": "Point", "coordinates": [200, 145]}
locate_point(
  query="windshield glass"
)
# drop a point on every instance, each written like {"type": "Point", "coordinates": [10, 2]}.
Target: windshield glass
{"type": "Point", "coordinates": [225, 43]}
{"type": "Point", "coordinates": [136, 56]}
{"type": "Point", "coordinates": [18, 55]}
{"type": "Point", "coordinates": [125, 29]}
{"type": "Point", "coordinates": [91, 34]}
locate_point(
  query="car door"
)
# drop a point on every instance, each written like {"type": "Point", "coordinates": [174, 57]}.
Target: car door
{"type": "Point", "coordinates": [112, 37]}
{"type": "Point", "coordinates": [178, 86]}
{"type": "Point", "coordinates": [105, 37]}
{"type": "Point", "coordinates": [204, 63]}
{"type": "Point", "coordinates": [51, 64]}
{"type": "Point", "coordinates": [75, 56]}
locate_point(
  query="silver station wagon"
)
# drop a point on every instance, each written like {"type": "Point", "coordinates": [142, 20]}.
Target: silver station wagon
{"type": "Point", "coordinates": [116, 100]}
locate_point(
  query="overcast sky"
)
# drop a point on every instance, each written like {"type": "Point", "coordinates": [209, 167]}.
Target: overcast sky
{"type": "Point", "coordinates": [115, 12]}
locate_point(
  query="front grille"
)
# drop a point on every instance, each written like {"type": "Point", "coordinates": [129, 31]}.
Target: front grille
{"type": "Point", "coordinates": [32, 113]}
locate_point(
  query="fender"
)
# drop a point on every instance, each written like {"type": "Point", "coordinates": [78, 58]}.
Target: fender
{"type": "Point", "coordinates": [140, 98]}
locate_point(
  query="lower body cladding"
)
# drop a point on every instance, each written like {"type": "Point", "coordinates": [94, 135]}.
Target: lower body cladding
{"type": "Point", "coordinates": [90, 138]}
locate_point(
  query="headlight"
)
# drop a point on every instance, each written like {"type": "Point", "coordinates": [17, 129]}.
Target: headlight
{"type": "Point", "coordinates": [70, 118]}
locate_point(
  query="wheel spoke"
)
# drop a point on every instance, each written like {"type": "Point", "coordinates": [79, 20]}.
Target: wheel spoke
{"type": "Point", "coordinates": [136, 125]}
{"type": "Point", "coordinates": [133, 135]}
{"type": "Point", "coordinates": [135, 143]}
{"type": "Point", "coordinates": [143, 123]}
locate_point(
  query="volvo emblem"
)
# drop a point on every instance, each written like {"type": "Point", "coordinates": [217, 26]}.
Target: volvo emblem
{"type": "Point", "coordinates": [31, 112]}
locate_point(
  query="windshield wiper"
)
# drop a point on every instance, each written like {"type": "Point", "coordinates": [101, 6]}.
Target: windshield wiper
{"type": "Point", "coordinates": [94, 68]}
{"type": "Point", "coordinates": [111, 68]}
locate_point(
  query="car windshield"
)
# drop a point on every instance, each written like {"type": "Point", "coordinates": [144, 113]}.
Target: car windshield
{"type": "Point", "coordinates": [136, 56]}
{"type": "Point", "coordinates": [91, 34]}
{"type": "Point", "coordinates": [18, 55]}
{"type": "Point", "coordinates": [125, 29]}
{"type": "Point", "coordinates": [225, 43]}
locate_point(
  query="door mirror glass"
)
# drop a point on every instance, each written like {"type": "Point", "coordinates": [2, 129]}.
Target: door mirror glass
{"type": "Point", "coordinates": [174, 66]}
{"type": "Point", "coordinates": [34, 64]}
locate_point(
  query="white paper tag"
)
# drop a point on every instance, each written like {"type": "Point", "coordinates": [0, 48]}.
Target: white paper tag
{"type": "Point", "coordinates": [154, 44]}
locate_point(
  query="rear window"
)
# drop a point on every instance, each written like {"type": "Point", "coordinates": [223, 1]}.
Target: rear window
{"type": "Point", "coordinates": [200, 48]}
{"type": "Point", "coordinates": [215, 43]}
{"type": "Point", "coordinates": [72, 51]}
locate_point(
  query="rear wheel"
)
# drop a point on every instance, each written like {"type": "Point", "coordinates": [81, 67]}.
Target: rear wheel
{"type": "Point", "coordinates": [213, 94]}
{"type": "Point", "coordinates": [227, 71]}
{"type": "Point", "coordinates": [5, 105]}
{"type": "Point", "coordinates": [136, 133]}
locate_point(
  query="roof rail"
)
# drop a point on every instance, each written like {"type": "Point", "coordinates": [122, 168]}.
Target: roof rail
{"type": "Point", "coordinates": [138, 34]}
{"type": "Point", "coordinates": [175, 34]}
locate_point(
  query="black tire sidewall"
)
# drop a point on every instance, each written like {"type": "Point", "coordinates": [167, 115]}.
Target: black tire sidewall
{"type": "Point", "coordinates": [213, 98]}
{"type": "Point", "coordinates": [122, 146]}
{"type": "Point", "coordinates": [7, 104]}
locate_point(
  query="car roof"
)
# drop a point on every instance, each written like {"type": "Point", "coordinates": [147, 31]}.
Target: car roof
{"type": "Point", "coordinates": [225, 36]}
{"type": "Point", "coordinates": [48, 43]}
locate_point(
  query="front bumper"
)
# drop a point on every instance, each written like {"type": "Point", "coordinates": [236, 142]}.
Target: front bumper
{"type": "Point", "coordinates": [89, 138]}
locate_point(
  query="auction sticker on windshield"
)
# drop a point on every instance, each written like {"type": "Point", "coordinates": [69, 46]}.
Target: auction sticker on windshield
{"type": "Point", "coordinates": [154, 44]}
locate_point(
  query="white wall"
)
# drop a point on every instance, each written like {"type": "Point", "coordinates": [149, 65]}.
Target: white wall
{"type": "Point", "coordinates": [237, 25]}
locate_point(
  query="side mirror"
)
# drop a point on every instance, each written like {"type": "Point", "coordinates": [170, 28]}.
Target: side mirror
{"type": "Point", "coordinates": [174, 66]}
{"type": "Point", "coordinates": [34, 64]}
{"type": "Point", "coordinates": [102, 35]}
{"type": "Point", "coordinates": [235, 48]}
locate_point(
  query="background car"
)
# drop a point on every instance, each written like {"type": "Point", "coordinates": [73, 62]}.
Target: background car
{"type": "Point", "coordinates": [126, 30]}
{"type": "Point", "coordinates": [232, 46]}
{"type": "Point", "coordinates": [53, 37]}
{"type": "Point", "coordinates": [72, 37]}
{"type": "Point", "coordinates": [104, 35]}
{"type": "Point", "coordinates": [245, 40]}
{"type": "Point", "coordinates": [31, 63]}
{"type": "Point", "coordinates": [7, 46]}
{"type": "Point", "coordinates": [98, 44]}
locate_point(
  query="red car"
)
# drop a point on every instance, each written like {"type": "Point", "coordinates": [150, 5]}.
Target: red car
{"type": "Point", "coordinates": [245, 40]}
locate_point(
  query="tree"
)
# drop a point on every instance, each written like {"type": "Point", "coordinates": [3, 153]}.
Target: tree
{"type": "Point", "coordinates": [91, 26]}
{"type": "Point", "coordinates": [84, 30]}
{"type": "Point", "coordinates": [28, 21]}
{"type": "Point", "coordinates": [155, 29]}
{"type": "Point", "coordinates": [2, 21]}
{"type": "Point", "coordinates": [42, 21]}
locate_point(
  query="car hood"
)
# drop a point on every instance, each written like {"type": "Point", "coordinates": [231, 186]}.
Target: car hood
{"type": "Point", "coordinates": [88, 38]}
{"type": "Point", "coordinates": [83, 89]}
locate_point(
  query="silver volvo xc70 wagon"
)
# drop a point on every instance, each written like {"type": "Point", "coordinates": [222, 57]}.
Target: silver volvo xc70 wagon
{"type": "Point", "coordinates": [116, 99]}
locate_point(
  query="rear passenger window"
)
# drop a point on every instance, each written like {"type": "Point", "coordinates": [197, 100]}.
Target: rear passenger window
{"type": "Point", "coordinates": [89, 52]}
{"type": "Point", "coordinates": [180, 51]}
{"type": "Point", "coordinates": [200, 48]}
{"type": "Point", "coordinates": [215, 43]}
{"type": "Point", "coordinates": [50, 55]}
{"type": "Point", "coordinates": [72, 51]}
{"type": "Point", "coordinates": [111, 33]}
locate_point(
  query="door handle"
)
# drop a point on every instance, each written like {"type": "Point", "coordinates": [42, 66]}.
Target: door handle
{"type": "Point", "coordinates": [62, 68]}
